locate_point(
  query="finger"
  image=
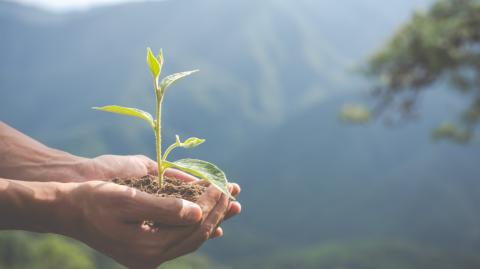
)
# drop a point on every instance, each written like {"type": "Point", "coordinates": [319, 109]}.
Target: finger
{"type": "Point", "coordinates": [234, 209]}
{"type": "Point", "coordinates": [111, 166]}
{"type": "Point", "coordinates": [210, 224]}
{"type": "Point", "coordinates": [214, 218]}
{"type": "Point", "coordinates": [218, 233]}
{"type": "Point", "coordinates": [208, 200]}
{"type": "Point", "coordinates": [152, 167]}
{"type": "Point", "coordinates": [203, 232]}
{"type": "Point", "coordinates": [174, 173]}
{"type": "Point", "coordinates": [235, 189]}
{"type": "Point", "coordinates": [141, 206]}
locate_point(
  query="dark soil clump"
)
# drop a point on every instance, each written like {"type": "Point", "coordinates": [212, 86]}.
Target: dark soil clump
{"type": "Point", "coordinates": [171, 187]}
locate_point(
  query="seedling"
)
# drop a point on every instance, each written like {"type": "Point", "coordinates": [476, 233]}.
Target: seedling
{"type": "Point", "coordinates": [202, 169]}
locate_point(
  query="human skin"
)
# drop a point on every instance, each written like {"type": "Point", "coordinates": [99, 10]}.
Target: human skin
{"type": "Point", "coordinates": [47, 190]}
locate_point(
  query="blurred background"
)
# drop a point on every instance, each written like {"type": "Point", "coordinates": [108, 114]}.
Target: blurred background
{"type": "Point", "coordinates": [350, 125]}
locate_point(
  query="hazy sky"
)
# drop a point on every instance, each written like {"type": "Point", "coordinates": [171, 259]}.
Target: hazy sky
{"type": "Point", "coordinates": [64, 5]}
{"type": "Point", "coordinates": [67, 5]}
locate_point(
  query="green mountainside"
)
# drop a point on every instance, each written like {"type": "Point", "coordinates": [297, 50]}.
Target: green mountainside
{"type": "Point", "coordinates": [21, 250]}
{"type": "Point", "coordinates": [315, 179]}
{"type": "Point", "coordinates": [370, 255]}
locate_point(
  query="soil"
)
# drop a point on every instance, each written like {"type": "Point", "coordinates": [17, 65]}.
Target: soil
{"type": "Point", "coordinates": [171, 187]}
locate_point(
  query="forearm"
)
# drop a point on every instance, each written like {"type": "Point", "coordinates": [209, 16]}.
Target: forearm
{"type": "Point", "coordinates": [35, 206]}
{"type": "Point", "coordinates": [24, 158]}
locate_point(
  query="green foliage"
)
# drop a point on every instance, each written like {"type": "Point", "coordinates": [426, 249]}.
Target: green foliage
{"type": "Point", "coordinates": [134, 112]}
{"type": "Point", "coordinates": [191, 262]}
{"type": "Point", "coordinates": [432, 44]}
{"type": "Point", "coordinates": [169, 80]}
{"type": "Point", "coordinates": [371, 255]}
{"type": "Point", "coordinates": [191, 142]}
{"type": "Point", "coordinates": [154, 64]}
{"type": "Point", "coordinates": [437, 45]}
{"type": "Point", "coordinates": [202, 169]}
{"type": "Point", "coordinates": [60, 253]}
{"type": "Point", "coordinates": [21, 250]}
{"type": "Point", "coordinates": [355, 113]}
{"type": "Point", "coordinates": [448, 130]}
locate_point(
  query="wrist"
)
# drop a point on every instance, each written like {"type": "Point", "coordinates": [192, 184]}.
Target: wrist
{"type": "Point", "coordinates": [36, 206]}
{"type": "Point", "coordinates": [65, 167]}
{"type": "Point", "coordinates": [66, 212]}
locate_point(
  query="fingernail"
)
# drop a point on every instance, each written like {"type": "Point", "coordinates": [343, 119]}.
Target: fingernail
{"type": "Point", "coordinates": [238, 186]}
{"type": "Point", "coordinates": [239, 207]}
{"type": "Point", "coordinates": [220, 233]}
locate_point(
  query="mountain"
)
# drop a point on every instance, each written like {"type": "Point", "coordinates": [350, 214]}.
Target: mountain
{"type": "Point", "coordinates": [316, 179]}
{"type": "Point", "coordinates": [273, 76]}
{"type": "Point", "coordinates": [261, 63]}
{"type": "Point", "coordinates": [371, 255]}
{"type": "Point", "coordinates": [20, 250]}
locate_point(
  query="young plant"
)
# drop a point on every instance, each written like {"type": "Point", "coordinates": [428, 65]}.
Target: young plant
{"type": "Point", "coordinates": [202, 169]}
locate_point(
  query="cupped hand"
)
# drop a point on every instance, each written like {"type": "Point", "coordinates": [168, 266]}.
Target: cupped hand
{"type": "Point", "coordinates": [106, 167]}
{"type": "Point", "coordinates": [109, 217]}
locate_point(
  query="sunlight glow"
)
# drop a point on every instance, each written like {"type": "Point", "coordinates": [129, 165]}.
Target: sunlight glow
{"type": "Point", "coordinates": [62, 5]}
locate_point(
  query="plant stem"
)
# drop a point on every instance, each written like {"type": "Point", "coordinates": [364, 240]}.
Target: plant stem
{"type": "Point", "coordinates": [169, 149]}
{"type": "Point", "coordinates": [158, 135]}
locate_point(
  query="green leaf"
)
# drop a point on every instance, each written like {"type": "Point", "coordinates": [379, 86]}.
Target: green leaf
{"type": "Point", "coordinates": [169, 80]}
{"type": "Point", "coordinates": [192, 142]}
{"type": "Point", "coordinates": [203, 170]}
{"type": "Point", "coordinates": [160, 60]}
{"type": "Point", "coordinates": [189, 143]}
{"type": "Point", "coordinates": [129, 112]}
{"type": "Point", "coordinates": [153, 64]}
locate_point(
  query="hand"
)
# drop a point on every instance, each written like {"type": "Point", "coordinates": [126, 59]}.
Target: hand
{"type": "Point", "coordinates": [110, 166]}
{"type": "Point", "coordinates": [106, 167]}
{"type": "Point", "coordinates": [110, 216]}
{"type": "Point", "coordinates": [24, 158]}
{"type": "Point", "coordinates": [104, 215]}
